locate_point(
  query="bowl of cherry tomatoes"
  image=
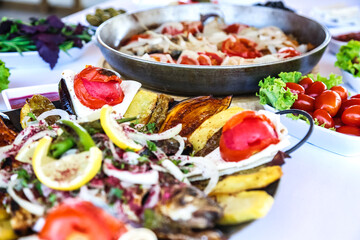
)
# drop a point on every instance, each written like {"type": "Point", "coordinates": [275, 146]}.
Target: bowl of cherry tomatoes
{"type": "Point", "coordinates": [335, 113]}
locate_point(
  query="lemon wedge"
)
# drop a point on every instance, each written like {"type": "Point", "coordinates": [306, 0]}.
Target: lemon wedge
{"type": "Point", "coordinates": [115, 131]}
{"type": "Point", "coordinates": [67, 173]}
{"type": "Point", "coordinates": [26, 152]}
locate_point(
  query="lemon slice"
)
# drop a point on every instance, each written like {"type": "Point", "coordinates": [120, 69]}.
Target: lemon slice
{"type": "Point", "coordinates": [67, 173]}
{"type": "Point", "coordinates": [26, 152]}
{"type": "Point", "coordinates": [115, 131]}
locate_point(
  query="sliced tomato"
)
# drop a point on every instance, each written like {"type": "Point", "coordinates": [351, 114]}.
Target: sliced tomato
{"type": "Point", "coordinates": [136, 37]}
{"type": "Point", "coordinates": [193, 27]}
{"type": "Point", "coordinates": [204, 60]}
{"type": "Point", "coordinates": [95, 87]}
{"type": "Point", "coordinates": [172, 30]}
{"type": "Point", "coordinates": [246, 134]}
{"type": "Point", "coordinates": [241, 47]}
{"type": "Point", "coordinates": [185, 59]}
{"type": "Point", "coordinates": [160, 57]}
{"type": "Point", "coordinates": [77, 219]}
{"type": "Point", "coordinates": [288, 52]}
{"type": "Point", "coordinates": [235, 28]}
{"type": "Point", "coordinates": [215, 58]}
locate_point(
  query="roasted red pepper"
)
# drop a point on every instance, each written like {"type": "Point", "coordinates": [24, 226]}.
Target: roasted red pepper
{"type": "Point", "coordinates": [95, 87]}
{"type": "Point", "coordinates": [246, 134]}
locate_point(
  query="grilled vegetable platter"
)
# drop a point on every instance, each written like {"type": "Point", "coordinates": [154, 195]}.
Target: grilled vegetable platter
{"type": "Point", "coordinates": [113, 161]}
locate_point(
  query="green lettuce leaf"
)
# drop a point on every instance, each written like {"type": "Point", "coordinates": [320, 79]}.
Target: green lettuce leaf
{"type": "Point", "coordinates": [272, 91]}
{"type": "Point", "coordinates": [4, 76]}
{"type": "Point", "coordinates": [290, 76]}
{"type": "Point", "coordinates": [348, 58]}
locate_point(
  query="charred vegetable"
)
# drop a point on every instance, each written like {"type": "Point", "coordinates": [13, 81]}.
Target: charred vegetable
{"type": "Point", "coordinates": [193, 112]}
{"type": "Point", "coordinates": [35, 106]}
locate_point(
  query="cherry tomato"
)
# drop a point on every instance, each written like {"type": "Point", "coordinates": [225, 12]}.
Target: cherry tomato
{"type": "Point", "coordinates": [324, 117]}
{"type": "Point", "coordinates": [295, 88]}
{"type": "Point", "coordinates": [241, 47]}
{"type": "Point", "coordinates": [337, 122]}
{"type": "Point", "coordinates": [350, 130]}
{"type": "Point", "coordinates": [184, 59]}
{"type": "Point", "coordinates": [160, 57]}
{"type": "Point", "coordinates": [75, 218]}
{"type": "Point", "coordinates": [356, 96]}
{"type": "Point", "coordinates": [351, 116]}
{"type": "Point", "coordinates": [246, 134]}
{"type": "Point", "coordinates": [287, 52]}
{"type": "Point", "coordinates": [304, 102]}
{"type": "Point", "coordinates": [315, 89]}
{"type": "Point", "coordinates": [329, 101]}
{"type": "Point", "coordinates": [235, 28]}
{"type": "Point", "coordinates": [204, 60]}
{"type": "Point", "coordinates": [341, 91]}
{"type": "Point", "coordinates": [95, 87]}
{"type": "Point", "coordinates": [348, 103]}
{"type": "Point", "coordinates": [306, 82]}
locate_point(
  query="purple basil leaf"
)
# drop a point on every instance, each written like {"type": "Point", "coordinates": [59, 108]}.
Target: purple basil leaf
{"type": "Point", "coordinates": [5, 26]}
{"type": "Point", "coordinates": [49, 52]}
{"type": "Point", "coordinates": [79, 29]}
{"type": "Point", "coordinates": [41, 28]}
{"type": "Point", "coordinates": [49, 38]}
{"type": "Point", "coordinates": [13, 35]}
{"type": "Point", "coordinates": [27, 29]}
{"type": "Point", "coordinates": [55, 22]}
{"type": "Point", "coordinates": [78, 43]}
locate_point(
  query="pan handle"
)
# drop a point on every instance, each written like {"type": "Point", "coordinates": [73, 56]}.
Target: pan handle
{"type": "Point", "coordinates": [311, 127]}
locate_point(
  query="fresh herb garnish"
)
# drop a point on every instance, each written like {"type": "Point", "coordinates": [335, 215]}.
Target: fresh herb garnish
{"type": "Point", "coordinates": [52, 198]}
{"type": "Point", "coordinates": [47, 36]}
{"type": "Point", "coordinates": [143, 159]}
{"type": "Point", "coordinates": [118, 193]}
{"type": "Point", "coordinates": [37, 184]}
{"type": "Point", "coordinates": [152, 146]}
{"type": "Point", "coordinates": [4, 76]}
{"type": "Point", "coordinates": [23, 176]}
{"type": "Point", "coordinates": [32, 116]}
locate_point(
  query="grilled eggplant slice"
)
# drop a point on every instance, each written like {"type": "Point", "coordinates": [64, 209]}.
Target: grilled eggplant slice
{"type": "Point", "coordinates": [193, 112]}
{"type": "Point", "coordinates": [142, 106]}
{"type": "Point", "coordinates": [159, 114]}
{"type": "Point", "coordinates": [65, 98]}
{"type": "Point", "coordinates": [7, 136]}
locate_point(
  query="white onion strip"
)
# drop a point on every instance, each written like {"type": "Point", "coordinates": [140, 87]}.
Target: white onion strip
{"type": "Point", "coordinates": [30, 207]}
{"type": "Point", "coordinates": [146, 178]}
{"type": "Point", "coordinates": [174, 170]}
{"type": "Point", "coordinates": [54, 112]}
{"type": "Point", "coordinates": [209, 169]}
{"type": "Point", "coordinates": [142, 138]}
{"type": "Point", "coordinates": [181, 145]}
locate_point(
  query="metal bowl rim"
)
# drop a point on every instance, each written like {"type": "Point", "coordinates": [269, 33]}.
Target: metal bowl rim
{"type": "Point", "coordinates": [183, 66]}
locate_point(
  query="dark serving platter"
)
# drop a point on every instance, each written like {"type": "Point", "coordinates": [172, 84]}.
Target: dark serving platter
{"type": "Point", "coordinates": [205, 80]}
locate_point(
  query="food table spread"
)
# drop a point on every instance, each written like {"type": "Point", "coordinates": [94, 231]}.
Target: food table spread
{"type": "Point", "coordinates": [317, 197]}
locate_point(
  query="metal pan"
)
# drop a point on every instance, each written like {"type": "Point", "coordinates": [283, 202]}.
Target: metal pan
{"type": "Point", "coordinates": [203, 80]}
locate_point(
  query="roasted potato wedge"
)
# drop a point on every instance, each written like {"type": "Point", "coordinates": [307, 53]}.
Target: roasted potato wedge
{"type": "Point", "coordinates": [193, 112]}
{"type": "Point", "coordinates": [142, 106]}
{"type": "Point", "coordinates": [6, 232]}
{"type": "Point", "coordinates": [242, 182]}
{"type": "Point", "coordinates": [3, 214]}
{"type": "Point", "coordinates": [244, 206]}
{"type": "Point", "coordinates": [210, 126]}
